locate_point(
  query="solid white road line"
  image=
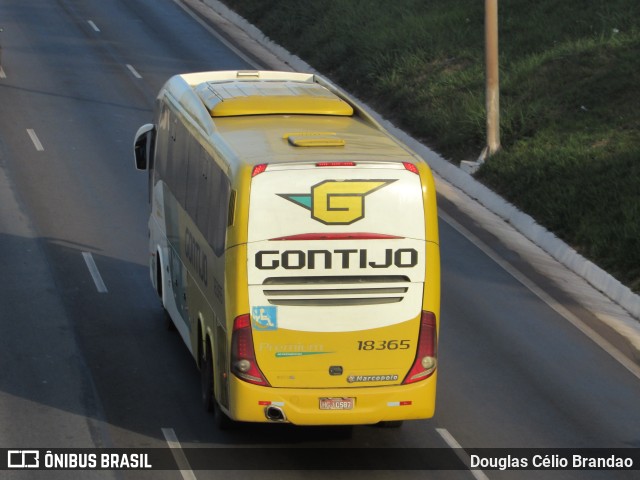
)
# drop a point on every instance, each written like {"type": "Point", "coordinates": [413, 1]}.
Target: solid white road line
{"type": "Point", "coordinates": [35, 140]}
{"type": "Point", "coordinates": [93, 25]}
{"type": "Point", "coordinates": [95, 274]}
{"type": "Point", "coordinates": [133, 71]}
{"type": "Point", "coordinates": [457, 448]}
{"type": "Point", "coordinates": [2, 74]}
{"type": "Point", "coordinates": [544, 296]}
{"type": "Point", "coordinates": [176, 449]}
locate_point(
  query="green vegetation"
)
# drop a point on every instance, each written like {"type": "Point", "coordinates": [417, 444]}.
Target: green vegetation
{"type": "Point", "coordinates": [570, 97]}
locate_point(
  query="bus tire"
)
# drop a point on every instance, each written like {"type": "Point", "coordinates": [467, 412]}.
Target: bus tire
{"type": "Point", "coordinates": [206, 380]}
{"type": "Point", "coordinates": [221, 420]}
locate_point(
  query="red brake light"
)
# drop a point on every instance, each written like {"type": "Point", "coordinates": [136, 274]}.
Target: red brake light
{"type": "Point", "coordinates": [258, 169]}
{"type": "Point", "coordinates": [426, 356]}
{"type": "Point", "coordinates": [336, 164]}
{"type": "Point", "coordinates": [411, 167]}
{"type": "Point", "coordinates": [243, 356]}
{"type": "Point", "coordinates": [243, 321]}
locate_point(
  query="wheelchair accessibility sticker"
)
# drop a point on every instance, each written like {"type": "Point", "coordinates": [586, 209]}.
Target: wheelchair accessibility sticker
{"type": "Point", "coordinates": [264, 318]}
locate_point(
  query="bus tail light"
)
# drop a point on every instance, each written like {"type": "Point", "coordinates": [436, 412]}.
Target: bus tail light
{"type": "Point", "coordinates": [411, 167]}
{"type": "Point", "coordinates": [336, 164]}
{"type": "Point", "coordinates": [258, 169]}
{"type": "Point", "coordinates": [425, 363]}
{"type": "Point", "coordinates": [243, 356]}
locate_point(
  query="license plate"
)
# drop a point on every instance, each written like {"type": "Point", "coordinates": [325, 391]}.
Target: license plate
{"type": "Point", "coordinates": [346, 403]}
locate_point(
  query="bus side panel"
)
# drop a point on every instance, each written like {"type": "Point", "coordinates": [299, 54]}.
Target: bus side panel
{"type": "Point", "coordinates": [164, 243]}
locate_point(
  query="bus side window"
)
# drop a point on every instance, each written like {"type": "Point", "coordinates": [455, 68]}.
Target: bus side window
{"type": "Point", "coordinates": [177, 161]}
{"type": "Point", "coordinates": [218, 203]}
{"type": "Point", "coordinates": [222, 208]}
{"type": "Point", "coordinates": [194, 176]}
{"type": "Point", "coordinates": [160, 166]}
{"type": "Point", "coordinates": [203, 210]}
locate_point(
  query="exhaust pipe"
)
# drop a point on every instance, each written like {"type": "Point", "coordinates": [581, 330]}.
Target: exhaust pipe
{"type": "Point", "coordinates": [275, 414]}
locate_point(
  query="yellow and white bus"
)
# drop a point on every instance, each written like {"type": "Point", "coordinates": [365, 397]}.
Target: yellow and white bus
{"type": "Point", "coordinates": [294, 245]}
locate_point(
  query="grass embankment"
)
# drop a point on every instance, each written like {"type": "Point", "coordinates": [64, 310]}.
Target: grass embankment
{"type": "Point", "coordinates": [570, 97]}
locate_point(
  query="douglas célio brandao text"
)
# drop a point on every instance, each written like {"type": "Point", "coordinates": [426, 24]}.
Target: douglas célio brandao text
{"type": "Point", "coordinates": [568, 461]}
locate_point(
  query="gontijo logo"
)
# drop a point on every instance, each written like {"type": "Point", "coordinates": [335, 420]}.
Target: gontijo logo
{"type": "Point", "coordinates": [337, 202]}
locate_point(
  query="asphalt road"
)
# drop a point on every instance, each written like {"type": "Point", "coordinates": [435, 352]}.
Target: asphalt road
{"type": "Point", "coordinates": [85, 360]}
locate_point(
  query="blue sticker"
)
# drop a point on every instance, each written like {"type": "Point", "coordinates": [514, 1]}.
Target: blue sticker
{"type": "Point", "coordinates": [264, 318]}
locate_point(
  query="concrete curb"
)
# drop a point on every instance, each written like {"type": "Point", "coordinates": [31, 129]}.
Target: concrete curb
{"type": "Point", "coordinates": [526, 225]}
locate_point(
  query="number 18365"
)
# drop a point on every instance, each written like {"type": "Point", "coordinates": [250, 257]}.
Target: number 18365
{"type": "Point", "coordinates": [384, 344]}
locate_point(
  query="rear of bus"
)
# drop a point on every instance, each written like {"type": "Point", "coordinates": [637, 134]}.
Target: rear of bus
{"type": "Point", "coordinates": [343, 280]}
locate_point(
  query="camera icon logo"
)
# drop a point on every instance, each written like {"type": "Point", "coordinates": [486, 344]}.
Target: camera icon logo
{"type": "Point", "coordinates": [23, 459]}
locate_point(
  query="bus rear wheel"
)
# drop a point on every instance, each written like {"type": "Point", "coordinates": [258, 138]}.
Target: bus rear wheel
{"type": "Point", "coordinates": [206, 381]}
{"type": "Point", "coordinates": [220, 419]}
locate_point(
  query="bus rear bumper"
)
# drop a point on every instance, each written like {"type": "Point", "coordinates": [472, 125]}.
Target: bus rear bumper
{"type": "Point", "coordinates": [252, 403]}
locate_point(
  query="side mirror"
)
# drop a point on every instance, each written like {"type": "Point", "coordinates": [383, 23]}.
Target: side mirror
{"type": "Point", "coordinates": [143, 146]}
